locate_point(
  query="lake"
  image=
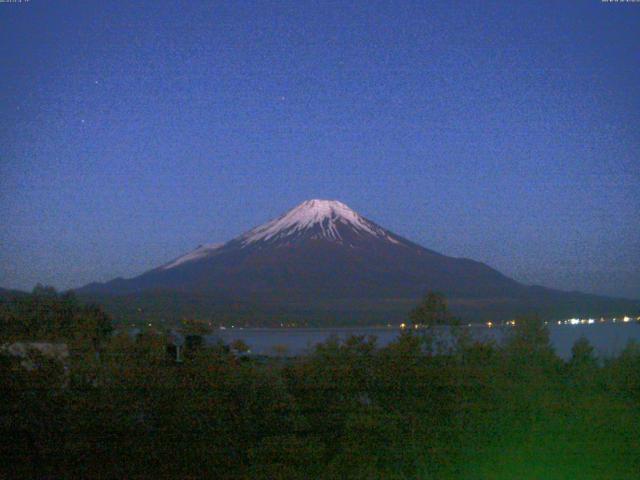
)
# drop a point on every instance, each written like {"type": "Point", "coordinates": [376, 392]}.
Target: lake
{"type": "Point", "coordinates": [608, 339]}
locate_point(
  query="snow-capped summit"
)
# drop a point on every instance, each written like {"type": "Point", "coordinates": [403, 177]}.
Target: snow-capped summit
{"type": "Point", "coordinates": [320, 219]}
{"type": "Point", "coordinates": [315, 219]}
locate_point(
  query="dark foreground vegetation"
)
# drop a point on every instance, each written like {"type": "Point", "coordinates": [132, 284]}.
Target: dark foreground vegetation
{"type": "Point", "coordinates": [118, 407]}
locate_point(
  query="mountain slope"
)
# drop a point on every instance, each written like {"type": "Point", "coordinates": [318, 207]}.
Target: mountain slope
{"type": "Point", "coordinates": [6, 293]}
{"type": "Point", "coordinates": [323, 256]}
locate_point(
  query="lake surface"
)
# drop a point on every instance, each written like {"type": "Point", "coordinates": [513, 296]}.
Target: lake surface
{"type": "Point", "coordinates": [608, 339]}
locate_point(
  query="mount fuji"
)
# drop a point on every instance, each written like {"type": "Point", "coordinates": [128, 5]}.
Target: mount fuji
{"type": "Point", "coordinates": [321, 262]}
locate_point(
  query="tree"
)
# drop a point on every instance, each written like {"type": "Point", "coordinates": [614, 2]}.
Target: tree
{"type": "Point", "coordinates": [48, 315]}
{"type": "Point", "coordinates": [91, 326]}
{"type": "Point", "coordinates": [582, 354]}
{"type": "Point", "coordinates": [530, 336]}
{"type": "Point", "coordinates": [625, 371]}
{"type": "Point", "coordinates": [529, 353]}
{"type": "Point", "coordinates": [583, 365]}
{"type": "Point", "coordinates": [431, 311]}
{"type": "Point", "coordinates": [44, 291]}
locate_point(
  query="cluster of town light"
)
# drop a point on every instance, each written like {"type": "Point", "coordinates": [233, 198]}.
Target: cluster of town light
{"type": "Point", "coordinates": [572, 321]}
{"type": "Point", "coordinates": [508, 323]}
{"type": "Point", "coordinates": [404, 325]}
{"type": "Point", "coordinates": [591, 321]}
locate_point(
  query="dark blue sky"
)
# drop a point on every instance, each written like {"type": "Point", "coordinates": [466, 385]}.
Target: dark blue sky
{"type": "Point", "coordinates": [507, 132]}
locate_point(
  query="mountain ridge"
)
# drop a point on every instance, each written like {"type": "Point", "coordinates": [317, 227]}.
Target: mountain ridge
{"type": "Point", "coordinates": [323, 252]}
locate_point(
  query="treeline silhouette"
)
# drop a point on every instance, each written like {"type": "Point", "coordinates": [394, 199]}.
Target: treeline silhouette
{"type": "Point", "coordinates": [421, 407]}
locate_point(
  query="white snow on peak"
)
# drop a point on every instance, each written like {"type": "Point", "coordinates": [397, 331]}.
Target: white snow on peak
{"type": "Point", "coordinates": [200, 252]}
{"type": "Point", "coordinates": [325, 213]}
